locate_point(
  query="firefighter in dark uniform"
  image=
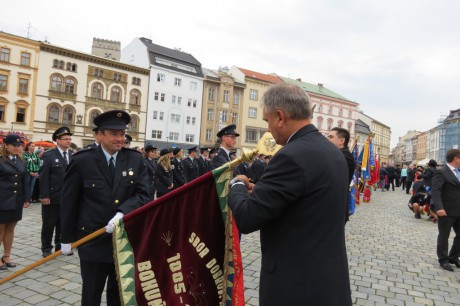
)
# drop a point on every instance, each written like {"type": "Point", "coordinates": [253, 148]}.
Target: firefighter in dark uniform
{"type": "Point", "coordinates": [204, 164]}
{"type": "Point", "coordinates": [228, 136]}
{"type": "Point", "coordinates": [150, 156]}
{"type": "Point", "coordinates": [179, 177]}
{"type": "Point", "coordinates": [52, 171]}
{"type": "Point", "coordinates": [191, 167]}
{"type": "Point", "coordinates": [101, 185]}
{"type": "Point", "coordinates": [128, 140]}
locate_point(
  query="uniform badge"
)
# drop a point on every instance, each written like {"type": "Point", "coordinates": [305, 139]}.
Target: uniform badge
{"type": "Point", "coordinates": [56, 160]}
{"type": "Point", "coordinates": [130, 173]}
{"type": "Point", "coordinates": [123, 173]}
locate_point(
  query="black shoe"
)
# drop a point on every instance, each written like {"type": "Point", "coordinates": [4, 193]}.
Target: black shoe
{"type": "Point", "coordinates": [447, 267]}
{"type": "Point", "coordinates": [417, 216]}
{"type": "Point", "coordinates": [46, 254]}
{"type": "Point", "coordinates": [8, 264]}
{"type": "Point", "coordinates": [456, 262]}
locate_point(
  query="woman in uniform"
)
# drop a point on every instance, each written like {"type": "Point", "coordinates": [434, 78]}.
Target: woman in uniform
{"type": "Point", "coordinates": [14, 194]}
{"type": "Point", "coordinates": [164, 173]}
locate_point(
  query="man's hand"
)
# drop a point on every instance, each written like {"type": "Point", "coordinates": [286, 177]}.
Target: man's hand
{"type": "Point", "coordinates": [441, 213]}
{"type": "Point", "coordinates": [45, 201]}
{"type": "Point", "coordinates": [26, 204]}
{"type": "Point", "coordinates": [111, 225]}
{"type": "Point", "coordinates": [66, 249]}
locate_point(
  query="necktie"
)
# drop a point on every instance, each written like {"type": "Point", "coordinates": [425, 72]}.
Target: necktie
{"type": "Point", "coordinates": [14, 160]}
{"type": "Point", "coordinates": [111, 167]}
{"type": "Point", "coordinates": [457, 171]}
{"type": "Point", "coordinates": [65, 157]}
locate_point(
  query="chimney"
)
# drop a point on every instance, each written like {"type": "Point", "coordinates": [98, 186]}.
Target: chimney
{"type": "Point", "coordinates": [320, 86]}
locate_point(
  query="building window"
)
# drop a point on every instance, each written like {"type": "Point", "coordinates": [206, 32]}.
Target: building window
{"type": "Point", "coordinates": [55, 63]}
{"type": "Point", "coordinates": [193, 120]}
{"type": "Point", "coordinates": [251, 136]}
{"type": "Point", "coordinates": [193, 86]}
{"type": "Point", "coordinates": [74, 67]}
{"type": "Point", "coordinates": [161, 115]}
{"type": "Point", "coordinates": [236, 99]}
{"type": "Point", "coordinates": [23, 87]}
{"type": "Point", "coordinates": [156, 134]}
{"type": "Point", "coordinates": [189, 103]}
{"type": "Point", "coordinates": [188, 120]}
{"type": "Point", "coordinates": [53, 113]}
{"type": "Point", "coordinates": [70, 86]}
{"type": "Point", "coordinates": [319, 123]}
{"type": "Point", "coordinates": [68, 66]}
{"type": "Point", "coordinates": [252, 112]}
{"type": "Point", "coordinates": [235, 118]}
{"type": "Point", "coordinates": [117, 77]}
{"type": "Point", "coordinates": [226, 96]}
{"type": "Point", "coordinates": [21, 114]}
{"type": "Point", "coordinates": [189, 138]}
{"type": "Point", "coordinates": [177, 82]}
{"type": "Point", "coordinates": [330, 110]}
{"type": "Point", "coordinates": [175, 118]}
{"type": "Point", "coordinates": [340, 112]}
{"type": "Point", "coordinates": [155, 114]}
{"type": "Point", "coordinates": [162, 97]}
{"type": "Point", "coordinates": [157, 94]}
{"type": "Point", "coordinates": [136, 81]}
{"type": "Point", "coordinates": [224, 116]}
{"type": "Point", "coordinates": [61, 65]}
{"type": "Point", "coordinates": [94, 113]}
{"type": "Point", "coordinates": [25, 59]}
{"type": "Point", "coordinates": [56, 84]}
{"type": "Point", "coordinates": [340, 124]}
{"type": "Point", "coordinates": [173, 136]}
{"type": "Point", "coordinates": [173, 99]}
{"type": "Point", "coordinates": [194, 103]}
{"type": "Point", "coordinates": [3, 82]}
{"type": "Point", "coordinates": [210, 114]}
{"type": "Point", "coordinates": [208, 135]}
{"type": "Point", "coordinates": [211, 94]}
{"type": "Point", "coordinates": [330, 121]}
{"type": "Point", "coordinates": [253, 94]}
{"type": "Point", "coordinates": [134, 97]}
{"type": "Point", "coordinates": [349, 125]}
{"type": "Point", "coordinates": [5, 55]}
{"type": "Point", "coordinates": [179, 100]}
{"type": "Point", "coordinates": [97, 91]}
{"type": "Point", "coordinates": [2, 112]}
{"type": "Point", "coordinates": [134, 124]}
{"type": "Point", "coordinates": [67, 117]}
{"type": "Point", "coordinates": [161, 78]}
{"type": "Point", "coordinates": [349, 114]}
{"type": "Point", "coordinates": [115, 94]}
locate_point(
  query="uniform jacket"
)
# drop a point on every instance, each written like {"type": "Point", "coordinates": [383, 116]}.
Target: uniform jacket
{"type": "Point", "coordinates": [243, 169]}
{"type": "Point", "coordinates": [90, 198]}
{"type": "Point", "coordinates": [14, 182]}
{"type": "Point", "coordinates": [52, 175]}
{"type": "Point", "coordinates": [164, 179]}
{"type": "Point", "coordinates": [191, 169]}
{"type": "Point", "coordinates": [445, 192]}
{"type": "Point", "coordinates": [203, 165]}
{"type": "Point", "coordinates": [178, 172]}
{"type": "Point", "coordinates": [298, 208]}
{"type": "Point", "coordinates": [220, 159]}
{"type": "Point", "coordinates": [257, 169]}
{"type": "Point", "coordinates": [151, 166]}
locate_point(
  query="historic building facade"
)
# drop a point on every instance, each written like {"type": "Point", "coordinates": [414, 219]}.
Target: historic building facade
{"type": "Point", "coordinates": [175, 93]}
{"type": "Point", "coordinates": [19, 59]}
{"type": "Point", "coordinates": [381, 136]}
{"type": "Point", "coordinates": [75, 87]}
{"type": "Point", "coordinates": [223, 100]}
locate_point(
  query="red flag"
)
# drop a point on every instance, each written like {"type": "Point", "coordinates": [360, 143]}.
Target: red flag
{"type": "Point", "coordinates": [180, 249]}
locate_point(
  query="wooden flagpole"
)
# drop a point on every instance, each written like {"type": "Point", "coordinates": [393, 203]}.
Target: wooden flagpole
{"type": "Point", "coordinates": [54, 255]}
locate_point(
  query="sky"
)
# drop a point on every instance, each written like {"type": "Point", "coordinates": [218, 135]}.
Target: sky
{"type": "Point", "coordinates": [399, 59]}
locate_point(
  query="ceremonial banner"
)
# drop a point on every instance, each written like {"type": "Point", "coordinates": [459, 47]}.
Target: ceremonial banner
{"type": "Point", "coordinates": [182, 249]}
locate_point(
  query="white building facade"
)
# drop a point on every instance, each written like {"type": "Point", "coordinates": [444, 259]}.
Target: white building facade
{"type": "Point", "coordinates": [175, 93]}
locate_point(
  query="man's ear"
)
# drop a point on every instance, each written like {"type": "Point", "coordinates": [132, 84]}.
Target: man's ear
{"type": "Point", "coordinates": [281, 117]}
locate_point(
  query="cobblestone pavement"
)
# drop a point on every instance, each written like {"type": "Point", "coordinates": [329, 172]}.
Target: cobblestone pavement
{"type": "Point", "coordinates": [392, 261]}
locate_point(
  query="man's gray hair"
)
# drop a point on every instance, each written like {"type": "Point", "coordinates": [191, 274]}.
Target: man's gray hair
{"type": "Point", "coordinates": [291, 99]}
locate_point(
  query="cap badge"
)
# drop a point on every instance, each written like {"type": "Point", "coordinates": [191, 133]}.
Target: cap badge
{"type": "Point", "coordinates": [119, 115]}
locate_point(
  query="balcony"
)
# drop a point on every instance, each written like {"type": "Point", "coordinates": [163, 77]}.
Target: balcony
{"type": "Point", "coordinates": [62, 95]}
{"type": "Point", "coordinates": [52, 126]}
{"type": "Point", "coordinates": [105, 104]}
{"type": "Point", "coordinates": [134, 107]}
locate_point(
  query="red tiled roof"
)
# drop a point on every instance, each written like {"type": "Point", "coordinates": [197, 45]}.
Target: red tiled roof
{"type": "Point", "coordinates": [261, 76]}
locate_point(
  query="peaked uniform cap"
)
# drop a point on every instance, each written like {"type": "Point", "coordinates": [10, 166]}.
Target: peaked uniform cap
{"type": "Point", "coordinates": [228, 130]}
{"type": "Point", "coordinates": [63, 130]}
{"type": "Point", "coordinates": [13, 139]}
{"type": "Point", "coordinates": [113, 120]}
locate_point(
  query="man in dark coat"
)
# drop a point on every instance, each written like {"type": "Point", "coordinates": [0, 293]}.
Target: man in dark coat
{"type": "Point", "coordinates": [228, 136]}
{"type": "Point", "coordinates": [55, 162]}
{"type": "Point", "coordinates": [100, 186]}
{"type": "Point", "coordinates": [191, 168]}
{"type": "Point", "coordinates": [445, 197]}
{"type": "Point", "coordinates": [340, 138]}
{"type": "Point", "coordinates": [151, 165]}
{"type": "Point", "coordinates": [204, 164]}
{"type": "Point", "coordinates": [298, 208]}
{"type": "Point", "coordinates": [178, 172]}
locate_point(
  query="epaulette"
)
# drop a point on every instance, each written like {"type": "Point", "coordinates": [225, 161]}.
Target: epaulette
{"type": "Point", "coordinates": [84, 150]}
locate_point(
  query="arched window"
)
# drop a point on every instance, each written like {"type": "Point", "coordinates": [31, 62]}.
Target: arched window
{"type": "Point", "coordinates": [74, 67]}
{"type": "Point", "coordinates": [330, 110]}
{"type": "Point", "coordinates": [53, 113]}
{"type": "Point", "coordinates": [55, 63]}
{"type": "Point", "coordinates": [94, 113]}
{"type": "Point", "coordinates": [97, 91]}
{"type": "Point", "coordinates": [330, 121]}
{"type": "Point", "coordinates": [56, 83]}
{"type": "Point", "coordinates": [61, 65]}
{"type": "Point", "coordinates": [134, 124]}
{"type": "Point", "coordinates": [134, 97]}
{"type": "Point", "coordinates": [67, 117]}
{"type": "Point", "coordinates": [68, 66]}
{"type": "Point", "coordinates": [115, 94]}
{"type": "Point", "coordinates": [69, 86]}
{"type": "Point", "coordinates": [319, 122]}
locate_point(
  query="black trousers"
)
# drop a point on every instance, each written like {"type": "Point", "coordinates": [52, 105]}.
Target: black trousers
{"type": "Point", "coordinates": [408, 185]}
{"type": "Point", "coordinates": [94, 276]}
{"type": "Point", "coordinates": [445, 224]}
{"type": "Point", "coordinates": [51, 224]}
